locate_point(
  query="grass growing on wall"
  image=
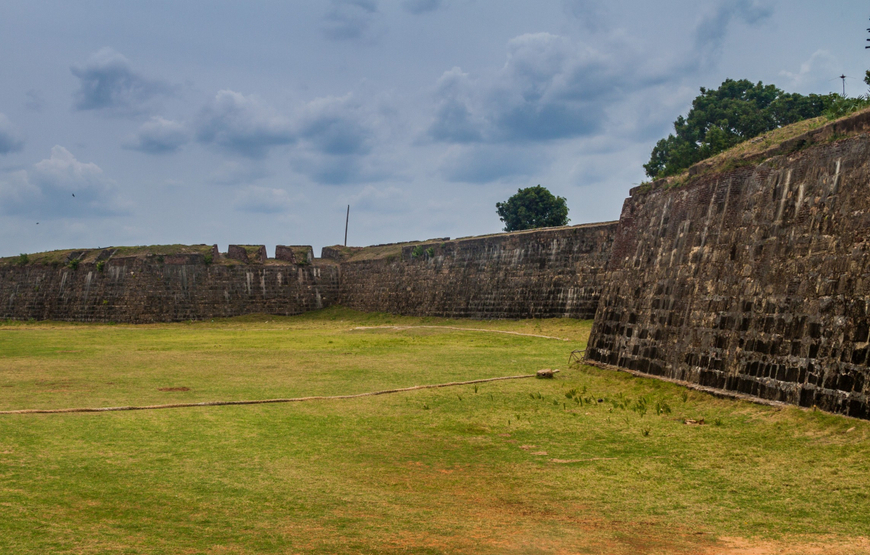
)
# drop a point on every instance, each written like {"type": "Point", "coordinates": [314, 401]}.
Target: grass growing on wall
{"type": "Point", "coordinates": [591, 462]}
{"type": "Point", "coordinates": [59, 257]}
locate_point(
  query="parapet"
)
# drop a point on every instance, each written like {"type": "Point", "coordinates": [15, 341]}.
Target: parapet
{"type": "Point", "coordinates": [247, 253]}
{"type": "Point", "coordinates": [297, 254]}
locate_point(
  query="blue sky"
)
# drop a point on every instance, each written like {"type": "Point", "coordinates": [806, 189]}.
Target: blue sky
{"type": "Point", "coordinates": [259, 122]}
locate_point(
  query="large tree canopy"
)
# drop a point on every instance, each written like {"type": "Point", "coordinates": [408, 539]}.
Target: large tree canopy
{"type": "Point", "coordinates": [532, 207]}
{"type": "Point", "coordinates": [731, 114]}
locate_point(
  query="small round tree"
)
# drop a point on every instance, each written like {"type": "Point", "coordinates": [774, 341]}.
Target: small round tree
{"type": "Point", "coordinates": [532, 207]}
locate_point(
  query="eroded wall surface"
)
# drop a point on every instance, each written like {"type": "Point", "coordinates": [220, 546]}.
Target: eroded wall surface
{"type": "Point", "coordinates": [548, 273]}
{"type": "Point", "coordinates": [137, 290]}
{"type": "Point", "coordinates": [754, 281]}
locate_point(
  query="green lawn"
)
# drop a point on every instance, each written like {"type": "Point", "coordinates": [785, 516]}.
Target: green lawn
{"type": "Point", "coordinates": [591, 462]}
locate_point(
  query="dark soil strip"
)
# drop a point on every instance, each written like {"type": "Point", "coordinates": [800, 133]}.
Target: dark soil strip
{"type": "Point", "coordinates": [261, 401]}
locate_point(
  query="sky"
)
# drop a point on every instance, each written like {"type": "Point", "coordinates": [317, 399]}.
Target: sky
{"type": "Point", "coordinates": [230, 122]}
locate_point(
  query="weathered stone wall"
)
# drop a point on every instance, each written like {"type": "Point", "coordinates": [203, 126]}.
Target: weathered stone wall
{"type": "Point", "coordinates": [754, 281]}
{"type": "Point", "coordinates": [182, 287]}
{"type": "Point", "coordinates": [539, 274]}
{"type": "Point", "coordinates": [543, 273]}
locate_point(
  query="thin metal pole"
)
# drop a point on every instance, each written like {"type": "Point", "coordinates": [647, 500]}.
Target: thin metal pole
{"type": "Point", "coordinates": [346, 220]}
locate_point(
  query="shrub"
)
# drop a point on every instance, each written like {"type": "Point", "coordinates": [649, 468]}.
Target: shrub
{"type": "Point", "coordinates": [417, 252]}
{"type": "Point", "coordinates": [23, 259]}
{"type": "Point", "coordinates": [74, 264]}
{"type": "Point", "coordinates": [101, 265]}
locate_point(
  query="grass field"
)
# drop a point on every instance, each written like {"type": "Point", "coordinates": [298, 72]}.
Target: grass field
{"type": "Point", "coordinates": [591, 462]}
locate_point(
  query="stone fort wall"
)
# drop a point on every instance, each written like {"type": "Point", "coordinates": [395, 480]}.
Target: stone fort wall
{"type": "Point", "coordinates": [546, 273]}
{"type": "Point", "coordinates": [137, 290]}
{"type": "Point", "coordinates": [755, 280]}
{"type": "Point", "coordinates": [543, 273]}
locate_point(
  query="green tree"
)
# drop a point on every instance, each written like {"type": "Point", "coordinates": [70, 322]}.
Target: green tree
{"type": "Point", "coordinates": [731, 114]}
{"type": "Point", "coordinates": [531, 208]}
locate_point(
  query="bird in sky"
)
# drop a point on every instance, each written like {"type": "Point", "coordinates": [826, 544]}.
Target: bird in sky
{"type": "Point", "coordinates": [73, 194]}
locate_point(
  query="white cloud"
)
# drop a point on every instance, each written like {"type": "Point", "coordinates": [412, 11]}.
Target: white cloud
{"type": "Point", "coordinates": [243, 124]}
{"type": "Point", "coordinates": [11, 139]}
{"type": "Point", "coordinates": [61, 187]}
{"type": "Point", "coordinates": [107, 81]}
{"type": "Point", "coordinates": [159, 136]}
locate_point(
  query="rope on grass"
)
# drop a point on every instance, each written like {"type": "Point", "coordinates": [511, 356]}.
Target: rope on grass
{"type": "Point", "coordinates": [459, 329]}
{"type": "Point", "coordinates": [263, 401]}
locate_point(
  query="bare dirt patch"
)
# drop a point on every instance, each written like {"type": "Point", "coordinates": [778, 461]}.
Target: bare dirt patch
{"type": "Point", "coordinates": [173, 389]}
{"type": "Point", "coordinates": [797, 546]}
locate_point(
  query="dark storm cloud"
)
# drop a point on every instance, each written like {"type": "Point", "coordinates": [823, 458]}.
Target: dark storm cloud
{"type": "Point", "coordinates": [337, 138]}
{"type": "Point", "coordinates": [159, 136]}
{"type": "Point", "coordinates": [108, 82]}
{"type": "Point", "coordinates": [243, 125]}
{"type": "Point", "coordinates": [11, 139]}
{"type": "Point", "coordinates": [349, 19]}
{"type": "Point", "coordinates": [336, 126]}
{"type": "Point", "coordinates": [418, 7]}
{"type": "Point", "coordinates": [549, 88]}
{"type": "Point", "coordinates": [330, 137]}
{"type": "Point", "coordinates": [454, 122]}
{"type": "Point", "coordinates": [46, 190]}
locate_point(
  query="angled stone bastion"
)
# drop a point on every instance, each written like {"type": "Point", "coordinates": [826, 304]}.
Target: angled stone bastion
{"type": "Point", "coordinates": [754, 279]}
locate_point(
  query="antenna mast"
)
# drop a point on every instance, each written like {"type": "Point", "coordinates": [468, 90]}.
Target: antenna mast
{"type": "Point", "coordinates": [346, 220]}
